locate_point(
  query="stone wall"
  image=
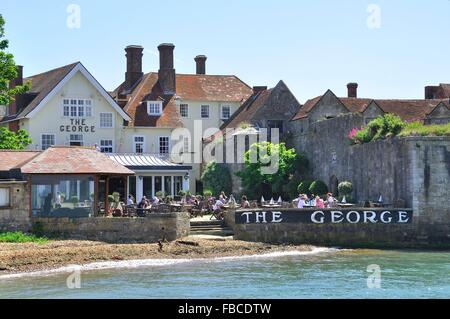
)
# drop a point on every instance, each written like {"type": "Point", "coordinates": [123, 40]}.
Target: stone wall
{"type": "Point", "coordinates": [419, 234]}
{"type": "Point", "coordinates": [413, 169]}
{"type": "Point", "coordinates": [117, 230]}
{"type": "Point", "coordinates": [15, 217]}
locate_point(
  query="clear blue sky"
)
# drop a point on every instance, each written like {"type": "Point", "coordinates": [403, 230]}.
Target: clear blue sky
{"type": "Point", "coordinates": [311, 45]}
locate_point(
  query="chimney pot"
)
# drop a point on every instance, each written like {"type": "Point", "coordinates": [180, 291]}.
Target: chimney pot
{"type": "Point", "coordinates": [166, 73]}
{"type": "Point", "coordinates": [134, 65]}
{"type": "Point", "coordinates": [352, 90]}
{"type": "Point", "coordinates": [257, 89]}
{"type": "Point", "coordinates": [200, 61]}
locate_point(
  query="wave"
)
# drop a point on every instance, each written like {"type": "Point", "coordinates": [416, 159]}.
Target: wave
{"type": "Point", "coordinates": [139, 263]}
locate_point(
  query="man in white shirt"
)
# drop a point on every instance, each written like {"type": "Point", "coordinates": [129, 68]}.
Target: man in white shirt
{"type": "Point", "coordinates": [130, 200]}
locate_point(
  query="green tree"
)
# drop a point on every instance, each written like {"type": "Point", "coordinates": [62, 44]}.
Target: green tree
{"type": "Point", "coordinates": [217, 178]}
{"type": "Point", "coordinates": [345, 188]}
{"type": "Point", "coordinates": [13, 141]}
{"type": "Point", "coordinates": [8, 70]}
{"type": "Point", "coordinates": [290, 164]}
{"type": "Point", "coordinates": [318, 188]}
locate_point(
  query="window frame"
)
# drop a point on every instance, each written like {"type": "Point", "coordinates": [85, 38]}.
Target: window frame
{"type": "Point", "coordinates": [70, 139]}
{"type": "Point", "coordinates": [100, 120]}
{"type": "Point", "coordinates": [222, 109]}
{"type": "Point", "coordinates": [42, 139]}
{"type": "Point", "coordinates": [209, 111]}
{"type": "Point", "coordinates": [159, 145]}
{"type": "Point", "coordinates": [187, 110]}
{"type": "Point", "coordinates": [158, 103]}
{"type": "Point", "coordinates": [73, 108]}
{"type": "Point", "coordinates": [8, 204]}
{"type": "Point", "coordinates": [106, 146]}
{"type": "Point", "coordinates": [135, 143]}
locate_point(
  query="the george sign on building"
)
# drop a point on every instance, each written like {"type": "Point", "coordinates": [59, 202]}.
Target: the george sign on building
{"type": "Point", "coordinates": [325, 216]}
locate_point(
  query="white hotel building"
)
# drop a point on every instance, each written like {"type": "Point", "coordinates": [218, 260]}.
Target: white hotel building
{"type": "Point", "coordinates": [134, 123]}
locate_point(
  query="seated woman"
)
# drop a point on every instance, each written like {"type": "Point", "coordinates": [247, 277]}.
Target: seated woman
{"type": "Point", "coordinates": [319, 202]}
{"type": "Point", "coordinates": [244, 202]}
{"type": "Point", "coordinates": [143, 204]}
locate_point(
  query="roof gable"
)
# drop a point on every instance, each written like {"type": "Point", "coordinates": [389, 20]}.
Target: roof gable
{"type": "Point", "coordinates": [51, 89]}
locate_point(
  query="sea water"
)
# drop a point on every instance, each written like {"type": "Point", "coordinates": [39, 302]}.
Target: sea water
{"type": "Point", "coordinates": [322, 273]}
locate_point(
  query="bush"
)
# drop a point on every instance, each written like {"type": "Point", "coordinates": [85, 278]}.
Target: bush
{"type": "Point", "coordinates": [303, 187]}
{"type": "Point", "coordinates": [160, 194]}
{"type": "Point", "coordinates": [382, 127]}
{"type": "Point", "coordinates": [318, 188]}
{"type": "Point", "coordinates": [207, 193]}
{"type": "Point", "coordinates": [419, 129]}
{"type": "Point", "coordinates": [19, 237]}
{"type": "Point", "coordinates": [217, 178]}
{"type": "Point", "coordinates": [74, 200]}
{"type": "Point", "coordinates": [257, 180]}
{"type": "Point", "coordinates": [345, 188]}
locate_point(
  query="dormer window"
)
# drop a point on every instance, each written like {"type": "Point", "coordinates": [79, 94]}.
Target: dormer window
{"type": "Point", "coordinates": [154, 108]}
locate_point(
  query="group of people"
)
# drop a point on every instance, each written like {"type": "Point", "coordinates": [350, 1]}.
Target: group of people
{"type": "Point", "coordinates": [145, 203]}
{"type": "Point", "coordinates": [304, 201]}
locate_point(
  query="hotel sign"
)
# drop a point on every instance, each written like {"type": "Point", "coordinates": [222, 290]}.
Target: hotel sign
{"type": "Point", "coordinates": [77, 126]}
{"type": "Point", "coordinates": [327, 216]}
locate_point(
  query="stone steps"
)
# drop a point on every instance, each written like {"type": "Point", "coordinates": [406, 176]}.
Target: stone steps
{"type": "Point", "coordinates": [212, 228]}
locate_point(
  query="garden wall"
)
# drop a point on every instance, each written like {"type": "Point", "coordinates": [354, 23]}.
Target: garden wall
{"type": "Point", "coordinates": [150, 229]}
{"type": "Point", "coordinates": [419, 233]}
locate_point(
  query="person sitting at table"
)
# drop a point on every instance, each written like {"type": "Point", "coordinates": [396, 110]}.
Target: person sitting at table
{"type": "Point", "coordinates": [223, 196]}
{"type": "Point", "coordinates": [319, 202]}
{"type": "Point", "coordinates": [218, 205]}
{"type": "Point", "coordinates": [331, 201]}
{"type": "Point", "coordinates": [244, 202]}
{"type": "Point", "coordinates": [156, 200]}
{"type": "Point", "coordinates": [301, 201]}
{"type": "Point", "coordinates": [222, 199]}
{"type": "Point", "coordinates": [143, 204]}
{"type": "Point", "coordinates": [130, 200]}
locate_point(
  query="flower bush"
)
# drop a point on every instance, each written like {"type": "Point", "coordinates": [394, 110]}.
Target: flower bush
{"type": "Point", "coordinates": [382, 127]}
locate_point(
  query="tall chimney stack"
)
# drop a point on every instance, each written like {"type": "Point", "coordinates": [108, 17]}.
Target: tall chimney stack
{"type": "Point", "coordinates": [431, 92]}
{"type": "Point", "coordinates": [200, 61]}
{"type": "Point", "coordinates": [352, 90]}
{"type": "Point", "coordinates": [167, 77]}
{"type": "Point", "coordinates": [134, 65]}
{"type": "Point", "coordinates": [257, 89]}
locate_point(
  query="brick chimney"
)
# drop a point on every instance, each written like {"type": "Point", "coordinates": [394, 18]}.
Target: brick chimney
{"type": "Point", "coordinates": [12, 84]}
{"type": "Point", "coordinates": [431, 92]}
{"type": "Point", "coordinates": [352, 90]}
{"type": "Point", "coordinates": [167, 77]}
{"type": "Point", "coordinates": [257, 89]}
{"type": "Point", "coordinates": [200, 61]}
{"type": "Point", "coordinates": [134, 65]}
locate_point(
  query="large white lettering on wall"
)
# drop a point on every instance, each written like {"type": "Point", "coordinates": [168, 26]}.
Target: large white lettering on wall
{"type": "Point", "coordinates": [327, 216]}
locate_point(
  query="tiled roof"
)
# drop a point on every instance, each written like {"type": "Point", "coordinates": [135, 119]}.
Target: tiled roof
{"type": "Point", "coordinates": [212, 88]}
{"type": "Point", "coordinates": [190, 87]}
{"type": "Point", "coordinates": [248, 109]}
{"type": "Point", "coordinates": [149, 90]}
{"type": "Point", "coordinates": [41, 85]}
{"type": "Point", "coordinates": [73, 160]}
{"type": "Point", "coordinates": [13, 159]}
{"type": "Point", "coordinates": [408, 110]}
{"type": "Point", "coordinates": [147, 162]}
